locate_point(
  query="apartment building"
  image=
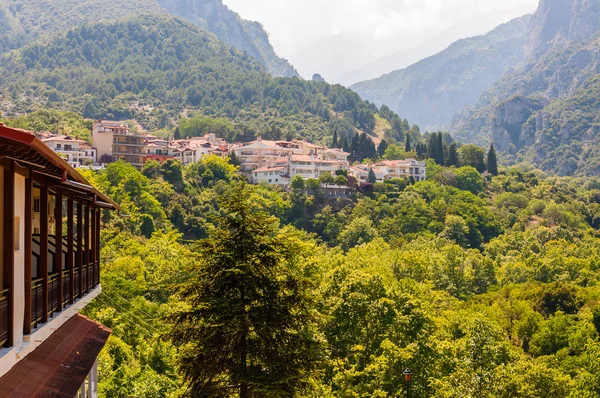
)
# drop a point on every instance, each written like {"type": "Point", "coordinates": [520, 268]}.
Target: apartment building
{"type": "Point", "coordinates": [298, 157]}
{"type": "Point", "coordinates": [50, 270]}
{"type": "Point", "coordinates": [390, 169]}
{"type": "Point", "coordinates": [76, 152]}
{"type": "Point", "coordinates": [114, 141]}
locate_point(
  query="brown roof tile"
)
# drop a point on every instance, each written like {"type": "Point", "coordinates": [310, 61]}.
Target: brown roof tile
{"type": "Point", "coordinates": [59, 366]}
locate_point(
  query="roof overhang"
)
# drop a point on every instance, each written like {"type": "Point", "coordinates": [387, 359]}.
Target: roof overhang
{"type": "Point", "coordinates": [29, 152]}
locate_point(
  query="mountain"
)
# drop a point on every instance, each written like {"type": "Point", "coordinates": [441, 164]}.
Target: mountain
{"type": "Point", "coordinates": [546, 111]}
{"type": "Point", "coordinates": [22, 22]}
{"type": "Point", "coordinates": [431, 91]}
{"type": "Point", "coordinates": [159, 68]}
{"type": "Point", "coordinates": [244, 35]}
{"type": "Point", "coordinates": [465, 28]}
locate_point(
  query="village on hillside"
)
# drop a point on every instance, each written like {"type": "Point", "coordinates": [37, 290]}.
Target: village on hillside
{"type": "Point", "coordinates": [262, 161]}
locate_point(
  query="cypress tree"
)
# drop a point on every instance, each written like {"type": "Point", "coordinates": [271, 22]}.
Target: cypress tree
{"type": "Point", "coordinates": [382, 148]}
{"type": "Point", "coordinates": [452, 159]}
{"type": "Point", "coordinates": [492, 161]}
{"type": "Point", "coordinates": [407, 144]}
{"type": "Point", "coordinates": [334, 143]}
{"type": "Point", "coordinates": [345, 145]}
{"type": "Point", "coordinates": [354, 148]}
{"type": "Point", "coordinates": [177, 134]}
{"type": "Point", "coordinates": [440, 150]}
{"type": "Point", "coordinates": [432, 149]}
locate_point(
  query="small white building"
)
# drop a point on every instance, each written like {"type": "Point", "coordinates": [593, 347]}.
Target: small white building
{"type": "Point", "coordinates": [271, 175]}
{"type": "Point", "coordinates": [390, 169]}
{"type": "Point", "coordinates": [77, 153]}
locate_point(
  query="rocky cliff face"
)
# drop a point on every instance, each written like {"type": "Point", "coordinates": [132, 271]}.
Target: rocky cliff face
{"type": "Point", "coordinates": [247, 36]}
{"type": "Point", "coordinates": [560, 22]}
{"type": "Point", "coordinates": [546, 111]}
{"type": "Point", "coordinates": [431, 91]}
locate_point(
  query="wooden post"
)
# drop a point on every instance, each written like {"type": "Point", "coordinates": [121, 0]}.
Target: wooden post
{"type": "Point", "coordinates": [93, 247]}
{"type": "Point", "coordinates": [70, 253]}
{"type": "Point", "coordinates": [44, 246]}
{"type": "Point", "coordinates": [98, 226]}
{"type": "Point", "coordinates": [8, 270]}
{"type": "Point", "coordinates": [58, 256]}
{"type": "Point", "coordinates": [28, 252]}
{"type": "Point", "coordinates": [86, 251]}
{"type": "Point", "coordinates": [80, 244]}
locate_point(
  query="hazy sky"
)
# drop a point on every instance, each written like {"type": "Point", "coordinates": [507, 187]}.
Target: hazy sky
{"type": "Point", "coordinates": [294, 24]}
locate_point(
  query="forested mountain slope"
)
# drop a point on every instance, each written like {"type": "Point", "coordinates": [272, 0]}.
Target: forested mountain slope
{"type": "Point", "coordinates": [24, 21]}
{"type": "Point", "coordinates": [244, 35]}
{"type": "Point", "coordinates": [158, 68]}
{"type": "Point", "coordinates": [547, 111]}
{"type": "Point", "coordinates": [431, 91]}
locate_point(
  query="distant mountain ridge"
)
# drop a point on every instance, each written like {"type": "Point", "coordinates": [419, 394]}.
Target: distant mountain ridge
{"type": "Point", "coordinates": [22, 22]}
{"type": "Point", "coordinates": [430, 92]}
{"type": "Point", "coordinates": [244, 35]}
{"type": "Point", "coordinates": [547, 111]}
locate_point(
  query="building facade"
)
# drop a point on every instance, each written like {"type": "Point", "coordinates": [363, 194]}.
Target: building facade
{"type": "Point", "coordinates": [77, 153]}
{"type": "Point", "coordinates": [114, 141]}
{"type": "Point", "coordinates": [50, 270]}
{"type": "Point", "coordinates": [390, 169]}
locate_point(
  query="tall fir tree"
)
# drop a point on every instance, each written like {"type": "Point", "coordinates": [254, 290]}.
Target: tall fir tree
{"type": "Point", "coordinates": [407, 146]}
{"type": "Point", "coordinates": [177, 133]}
{"type": "Point", "coordinates": [372, 178]}
{"type": "Point", "coordinates": [334, 143]}
{"type": "Point", "coordinates": [249, 320]}
{"type": "Point", "coordinates": [345, 146]}
{"type": "Point", "coordinates": [452, 159]}
{"type": "Point", "coordinates": [492, 161]}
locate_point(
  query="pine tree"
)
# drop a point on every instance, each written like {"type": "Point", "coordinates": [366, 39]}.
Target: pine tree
{"type": "Point", "coordinates": [452, 159]}
{"type": "Point", "coordinates": [407, 147]}
{"type": "Point", "coordinates": [492, 161]}
{"type": "Point", "coordinates": [334, 143]}
{"type": "Point", "coordinates": [248, 324]}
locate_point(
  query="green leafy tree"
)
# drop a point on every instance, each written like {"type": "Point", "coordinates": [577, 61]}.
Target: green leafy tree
{"type": "Point", "coordinates": [248, 320]}
{"type": "Point", "coordinates": [473, 156]}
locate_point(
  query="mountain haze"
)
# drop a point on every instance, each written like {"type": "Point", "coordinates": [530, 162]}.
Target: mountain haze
{"type": "Point", "coordinates": [431, 91]}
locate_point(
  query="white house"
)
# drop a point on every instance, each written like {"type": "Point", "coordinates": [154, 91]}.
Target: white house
{"type": "Point", "coordinates": [76, 152]}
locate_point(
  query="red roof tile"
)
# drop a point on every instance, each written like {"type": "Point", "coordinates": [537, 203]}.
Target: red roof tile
{"type": "Point", "coordinates": [59, 366]}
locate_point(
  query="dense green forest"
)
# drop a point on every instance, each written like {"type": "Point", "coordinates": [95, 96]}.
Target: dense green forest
{"type": "Point", "coordinates": [483, 287]}
{"type": "Point", "coordinates": [159, 69]}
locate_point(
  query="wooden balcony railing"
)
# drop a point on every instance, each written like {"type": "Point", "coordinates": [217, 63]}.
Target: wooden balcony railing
{"type": "Point", "coordinates": [88, 274]}
{"type": "Point", "coordinates": [37, 301]}
{"type": "Point", "coordinates": [3, 317]}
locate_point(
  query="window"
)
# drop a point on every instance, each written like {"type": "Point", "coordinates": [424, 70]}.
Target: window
{"type": "Point", "coordinates": [58, 146]}
{"type": "Point", "coordinates": [36, 205]}
{"type": "Point", "coordinates": [270, 180]}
